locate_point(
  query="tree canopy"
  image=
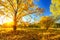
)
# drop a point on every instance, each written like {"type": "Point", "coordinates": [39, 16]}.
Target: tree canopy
{"type": "Point", "coordinates": [55, 8]}
{"type": "Point", "coordinates": [46, 22]}
{"type": "Point", "coordinates": [16, 9]}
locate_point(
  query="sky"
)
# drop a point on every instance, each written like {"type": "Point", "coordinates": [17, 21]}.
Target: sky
{"type": "Point", "coordinates": [45, 4]}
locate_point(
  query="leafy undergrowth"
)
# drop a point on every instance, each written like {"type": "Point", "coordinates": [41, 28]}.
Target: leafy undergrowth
{"type": "Point", "coordinates": [30, 35]}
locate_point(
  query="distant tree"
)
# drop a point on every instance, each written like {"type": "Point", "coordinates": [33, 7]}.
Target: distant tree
{"type": "Point", "coordinates": [33, 26]}
{"type": "Point", "coordinates": [25, 24]}
{"type": "Point", "coordinates": [18, 9]}
{"type": "Point", "coordinates": [46, 22]}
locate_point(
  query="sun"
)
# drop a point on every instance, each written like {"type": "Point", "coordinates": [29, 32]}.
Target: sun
{"type": "Point", "coordinates": [6, 22]}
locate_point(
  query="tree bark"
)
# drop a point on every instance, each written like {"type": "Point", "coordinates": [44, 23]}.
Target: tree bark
{"type": "Point", "coordinates": [14, 27]}
{"type": "Point", "coordinates": [15, 23]}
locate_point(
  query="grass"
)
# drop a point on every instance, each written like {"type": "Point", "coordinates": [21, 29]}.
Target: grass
{"type": "Point", "coordinates": [29, 34]}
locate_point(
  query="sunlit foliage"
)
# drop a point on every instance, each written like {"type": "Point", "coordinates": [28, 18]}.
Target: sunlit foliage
{"type": "Point", "coordinates": [46, 22]}
{"type": "Point", "coordinates": [16, 9]}
{"type": "Point", "coordinates": [55, 7]}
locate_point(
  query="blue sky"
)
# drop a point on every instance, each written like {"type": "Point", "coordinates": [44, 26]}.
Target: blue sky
{"type": "Point", "coordinates": [45, 4]}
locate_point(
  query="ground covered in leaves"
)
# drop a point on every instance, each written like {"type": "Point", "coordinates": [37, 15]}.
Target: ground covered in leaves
{"type": "Point", "coordinates": [30, 35]}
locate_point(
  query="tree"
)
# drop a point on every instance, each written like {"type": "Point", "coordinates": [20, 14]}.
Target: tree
{"type": "Point", "coordinates": [46, 22]}
{"type": "Point", "coordinates": [16, 9]}
{"type": "Point", "coordinates": [55, 9]}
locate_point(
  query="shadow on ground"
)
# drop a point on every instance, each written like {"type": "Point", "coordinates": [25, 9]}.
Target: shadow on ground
{"type": "Point", "coordinates": [29, 35]}
{"type": "Point", "coordinates": [19, 35]}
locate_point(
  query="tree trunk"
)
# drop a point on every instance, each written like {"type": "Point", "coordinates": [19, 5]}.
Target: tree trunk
{"type": "Point", "coordinates": [14, 27]}
{"type": "Point", "coordinates": [15, 23]}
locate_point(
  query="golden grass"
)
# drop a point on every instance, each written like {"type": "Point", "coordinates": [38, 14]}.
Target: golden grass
{"type": "Point", "coordinates": [29, 34]}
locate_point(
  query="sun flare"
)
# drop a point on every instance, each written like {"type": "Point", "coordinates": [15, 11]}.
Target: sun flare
{"type": "Point", "coordinates": [6, 21]}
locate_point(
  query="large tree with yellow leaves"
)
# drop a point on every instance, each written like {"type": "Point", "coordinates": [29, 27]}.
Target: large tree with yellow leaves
{"type": "Point", "coordinates": [17, 9]}
{"type": "Point", "coordinates": [55, 8]}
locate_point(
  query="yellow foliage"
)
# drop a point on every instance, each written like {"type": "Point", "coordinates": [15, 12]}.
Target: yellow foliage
{"type": "Point", "coordinates": [18, 9]}
{"type": "Point", "coordinates": [1, 12]}
{"type": "Point", "coordinates": [55, 7]}
{"type": "Point", "coordinates": [30, 2]}
{"type": "Point", "coordinates": [25, 24]}
{"type": "Point", "coordinates": [46, 21]}
{"type": "Point", "coordinates": [24, 6]}
{"type": "Point", "coordinates": [45, 18]}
